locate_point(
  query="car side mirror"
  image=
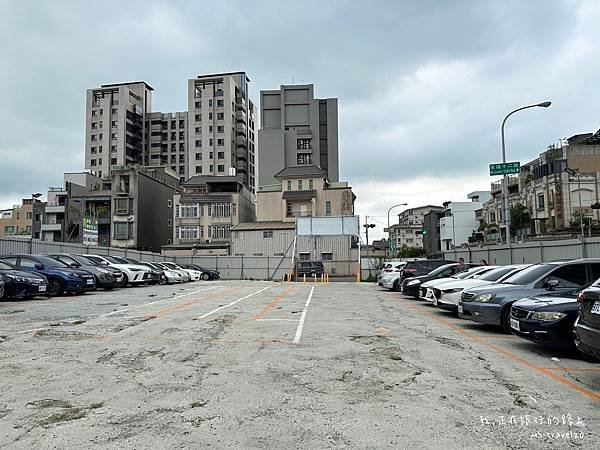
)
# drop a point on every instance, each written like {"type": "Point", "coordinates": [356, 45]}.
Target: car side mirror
{"type": "Point", "coordinates": [104, 263]}
{"type": "Point", "coordinates": [74, 264]}
{"type": "Point", "coordinates": [39, 266]}
{"type": "Point", "coordinates": [551, 284]}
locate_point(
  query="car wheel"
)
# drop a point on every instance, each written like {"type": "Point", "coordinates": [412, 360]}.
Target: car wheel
{"type": "Point", "coordinates": [395, 287]}
{"type": "Point", "coordinates": [162, 281]}
{"type": "Point", "coordinates": [125, 281]}
{"type": "Point", "coordinates": [55, 287]}
{"type": "Point", "coordinates": [505, 319]}
{"type": "Point", "coordinates": [205, 276]}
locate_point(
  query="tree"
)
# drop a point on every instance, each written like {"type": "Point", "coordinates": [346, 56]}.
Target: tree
{"type": "Point", "coordinates": [410, 252]}
{"type": "Point", "coordinates": [519, 218]}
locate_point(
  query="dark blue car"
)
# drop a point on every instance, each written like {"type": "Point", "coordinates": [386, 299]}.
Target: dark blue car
{"type": "Point", "coordinates": [18, 284]}
{"type": "Point", "coordinates": [61, 278]}
{"type": "Point", "coordinates": [546, 319]}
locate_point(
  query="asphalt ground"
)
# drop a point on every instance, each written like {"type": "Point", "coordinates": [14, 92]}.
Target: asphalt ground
{"type": "Point", "coordinates": [252, 364]}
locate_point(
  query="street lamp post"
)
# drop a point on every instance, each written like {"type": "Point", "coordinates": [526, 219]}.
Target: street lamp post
{"type": "Point", "coordinates": [388, 217]}
{"type": "Point", "coordinates": [505, 179]}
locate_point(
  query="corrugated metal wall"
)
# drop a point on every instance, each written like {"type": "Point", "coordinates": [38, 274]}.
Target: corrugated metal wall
{"type": "Point", "coordinates": [530, 252]}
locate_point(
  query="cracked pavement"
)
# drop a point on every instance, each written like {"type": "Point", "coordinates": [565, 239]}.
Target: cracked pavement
{"type": "Point", "coordinates": [216, 365]}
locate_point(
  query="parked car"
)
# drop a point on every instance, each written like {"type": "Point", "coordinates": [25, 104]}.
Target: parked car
{"type": "Point", "coordinates": [19, 284]}
{"type": "Point", "coordinates": [310, 268]}
{"type": "Point", "coordinates": [132, 273]}
{"type": "Point", "coordinates": [106, 277]}
{"type": "Point", "coordinates": [184, 273]}
{"type": "Point", "coordinates": [388, 268]}
{"type": "Point", "coordinates": [410, 286]}
{"type": "Point", "coordinates": [447, 295]}
{"type": "Point", "coordinates": [194, 274]}
{"type": "Point", "coordinates": [170, 275]}
{"type": "Point", "coordinates": [390, 276]}
{"type": "Point", "coordinates": [491, 304]}
{"type": "Point", "coordinates": [61, 278]}
{"type": "Point", "coordinates": [546, 319]}
{"type": "Point", "coordinates": [426, 291]}
{"type": "Point", "coordinates": [1, 287]}
{"type": "Point", "coordinates": [207, 274]}
{"type": "Point", "coordinates": [154, 277]}
{"type": "Point", "coordinates": [420, 267]}
{"type": "Point", "coordinates": [587, 325]}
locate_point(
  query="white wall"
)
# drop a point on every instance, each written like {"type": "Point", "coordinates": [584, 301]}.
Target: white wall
{"type": "Point", "coordinates": [459, 224]}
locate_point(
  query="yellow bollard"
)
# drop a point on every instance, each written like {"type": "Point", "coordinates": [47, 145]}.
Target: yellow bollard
{"type": "Point", "coordinates": [304, 278]}
{"type": "Point", "coordinates": [327, 278]}
{"type": "Point", "coordinates": [358, 277]}
{"type": "Point", "coordinates": [315, 278]}
{"type": "Point", "coordinates": [322, 278]}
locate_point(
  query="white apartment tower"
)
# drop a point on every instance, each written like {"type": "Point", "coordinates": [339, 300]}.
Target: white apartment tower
{"type": "Point", "coordinates": [222, 127]}
{"type": "Point", "coordinates": [114, 126]}
{"type": "Point", "coordinates": [215, 136]}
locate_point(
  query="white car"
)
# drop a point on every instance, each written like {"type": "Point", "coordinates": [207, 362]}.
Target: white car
{"type": "Point", "coordinates": [170, 276]}
{"type": "Point", "coordinates": [132, 273]}
{"type": "Point", "coordinates": [426, 289]}
{"type": "Point", "coordinates": [390, 277]}
{"type": "Point", "coordinates": [187, 276]}
{"type": "Point", "coordinates": [447, 295]}
{"type": "Point", "coordinates": [389, 267]}
{"type": "Point", "coordinates": [194, 274]}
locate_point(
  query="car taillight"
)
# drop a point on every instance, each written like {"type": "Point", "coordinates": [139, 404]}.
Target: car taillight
{"type": "Point", "coordinates": [387, 270]}
{"type": "Point", "coordinates": [580, 297]}
{"type": "Point", "coordinates": [412, 270]}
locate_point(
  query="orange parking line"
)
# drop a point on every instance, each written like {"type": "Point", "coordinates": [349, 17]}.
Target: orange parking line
{"type": "Point", "coordinates": [163, 311]}
{"type": "Point", "coordinates": [277, 299]}
{"type": "Point", "coordinates": [548, 373]}
{"type": "Point", "coordinates": [572, 369]}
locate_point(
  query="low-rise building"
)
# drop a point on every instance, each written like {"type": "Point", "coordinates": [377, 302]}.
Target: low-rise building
{"type": "Point", "coordinates": [22, 220]}
{"type": "Point", "coordinates": [458, 224]}
{"type": "Point", "coordinates": [205, 209]}
{"type": "Point", "coordinates": [303, 191]}
{"type": "Point", "coordinates": [408, 230]}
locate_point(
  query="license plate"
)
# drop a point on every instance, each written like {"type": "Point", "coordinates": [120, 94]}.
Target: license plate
{"type": "Point", "coordinates": [90, 281]}
{"type": "Point", "coordinates": [41, 288]}
{"type": "Point", "coordinates": [460, 309]}
{"type": "Point", "coordinates": [515, 324]}
{"type": "Point", "coordinates": [596, 308]}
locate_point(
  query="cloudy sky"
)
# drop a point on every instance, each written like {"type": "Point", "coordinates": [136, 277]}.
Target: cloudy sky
{"type": "Point", "coordinates": [422, 85]}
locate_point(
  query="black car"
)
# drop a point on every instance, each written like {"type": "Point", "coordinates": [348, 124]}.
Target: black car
{"type": "Point", "coordinates": [310, 268]}
{"type": "Point", "coordinates": [106, 277]}
{"type": "Point", "coordinates": [420, 267]}
{"type": "Point", "coordinates": [410, 286]}
{"type": "Point", "coordinates": [587, 325]}
{"type": "Point", "coordinates": [546, 319]}
{"type": "Point", "coordinates": [19, 284]}
{"type": "Point", "coordinates": [207, 274]}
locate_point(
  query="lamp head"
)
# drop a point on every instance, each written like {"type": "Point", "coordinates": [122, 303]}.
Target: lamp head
{"type": "Point", "coordinates": [544, 104]}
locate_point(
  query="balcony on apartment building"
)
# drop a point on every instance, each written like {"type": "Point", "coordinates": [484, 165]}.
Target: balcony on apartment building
{"type": "Point", "coordinates": [513, 180]}
{"type": "Point", "coordinates": [55, 207]}
{"type": "Point", "coordinates": [53, 225]}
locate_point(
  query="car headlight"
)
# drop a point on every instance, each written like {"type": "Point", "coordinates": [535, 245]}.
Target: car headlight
{"type": "Point", "coordinates": [17, 278]}
{"type": "Point", "coordinates": [484, 298]}
{"type": "Point", "coordinates": [103, 270]}
{"type": "Point", "coordinates": [134, 269]}
{"type": "Point", "coordinates": [413, 282]}
{"type": "Point", "coordinates": [71, 274]}
{"type": "Point", "coordinates": [452, 291]}
{"type": "Point", "coordinates": [548, 315]}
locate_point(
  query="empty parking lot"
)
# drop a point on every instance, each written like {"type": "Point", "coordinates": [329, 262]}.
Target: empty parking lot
{"type": "Point", "coordinates": [258, 364]}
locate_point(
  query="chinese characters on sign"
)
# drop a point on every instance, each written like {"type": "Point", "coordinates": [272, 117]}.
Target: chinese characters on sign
{"type": "Point", "coordinates": [505, 168]}
{"type": "Point", "coordinates": [90, 231]}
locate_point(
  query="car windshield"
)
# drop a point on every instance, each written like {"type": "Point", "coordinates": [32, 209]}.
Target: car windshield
{"type": "Point", "coordinates": [530, 274]}
{"type": "Point", "coordinates": [113, 260]}
{"type": "Point", "coordinates": [132, 261]}
{"type": "Point", "coordinates": [50, 262]}
{"type": "Point", "coordinates": [467, 273]}
{"type": "Point", "coordinates": [120, 260]}
{"type": "Point", "coordinates": [170, 265]}
{"type": "Point", "coordinates": [93, 259]}
{"type": "Point", "coordinates": [440, 269]}
{"type": "Point", "coordinates": [496, 274]}
{"type": "Point", "coordinates": [84, 261]}
{"type": "Point", "coordinates": [6, 266]}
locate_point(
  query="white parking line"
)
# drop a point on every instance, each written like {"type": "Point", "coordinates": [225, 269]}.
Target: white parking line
{"type": "Point", "coordinates": [155, 302]}
{"type": "Point", "coordinates": [303, 317]}
{"type": "Point", "coordinates": [276, 320]}
{"type": "Point", "coordinates": [204, 316]}
{"type": "Point", "coordinates": [30, 331]}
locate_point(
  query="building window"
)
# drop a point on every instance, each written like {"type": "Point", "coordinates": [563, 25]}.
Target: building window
{"type": "Point", "coordinates": [168, 222]}
{"type": "Point", "coordinates": [303, 159]}
{"type": "Point", "coordinates": [198, 117]}
{"type": "Point", "coordinates": [219, 102]}
{"type": "Point", "coordinates": [267, 234]}
{"type": "Point", "coordinates": [114, 110]}
{"type": "Point", "coordinates": [540, 201]}
{"type": "Point", "coordinates": [289, 183]}
{"type": "Point", "coordinates": [99, 149]}
{"type": "Point", "coordinates": [304, 256]}
{"type": "Point", "coordinates": [221, 168]}
{"type": "Point", "coordinates": [299, 185]}
{"type": "Point", "coordinates": [113, 149]}
{"type": "Point", "coordinates": [94, 113]}
{"type": "Point", "coordinates": [93, 162]}
{"type": "Point", "coordinates": [94, 138]}
{"type": "Point", "coordinates": [187, 232]}
{"type": "Point", "coordinates": [113, 135]}
{"type": "Point", "coordinates": [113, 161]}
{"type": "Point", "coordinates": [123, 230]}
{"type": "Point", "coordinates": [188, 211]}
{"type": "Point", "coordinates": [220, 142]}
{"type": "Point", "coordinates": [93, 150]}
{"type": "Point", "coordinates": [198, 169]}
{"type": "Point", "coordinates": [220, 129]}
{"type": "Point", "coordinates": [220, 116]}
{"type": "Point", "coordinates": [221, 155]}
{"type": "Point", "coordinates": [328, 208]}
{"type": "Point", "coordinates": [327, 256]}
{"type": "Point", "coordinates": [94, 125]}
{"type": "Point", "coordinates": [169, 203]}
{"type": "Point", "coordinates": [303, 144]}
{"type": "Point", "coordinates": [310, 185]}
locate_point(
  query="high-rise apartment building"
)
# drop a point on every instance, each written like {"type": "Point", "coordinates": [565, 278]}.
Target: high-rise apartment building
{"type": "Point", "coordinates": [222, 127]}
{"type": "Point", "coordinates": [114, 128]}
{"type": "Point", "coordinates": [297, 130]}
{"type": "Point", "coordinates": [215, 136]}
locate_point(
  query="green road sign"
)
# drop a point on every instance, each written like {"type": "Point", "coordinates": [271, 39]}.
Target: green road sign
{"type": "Point", "coordinates": [505, 168]}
